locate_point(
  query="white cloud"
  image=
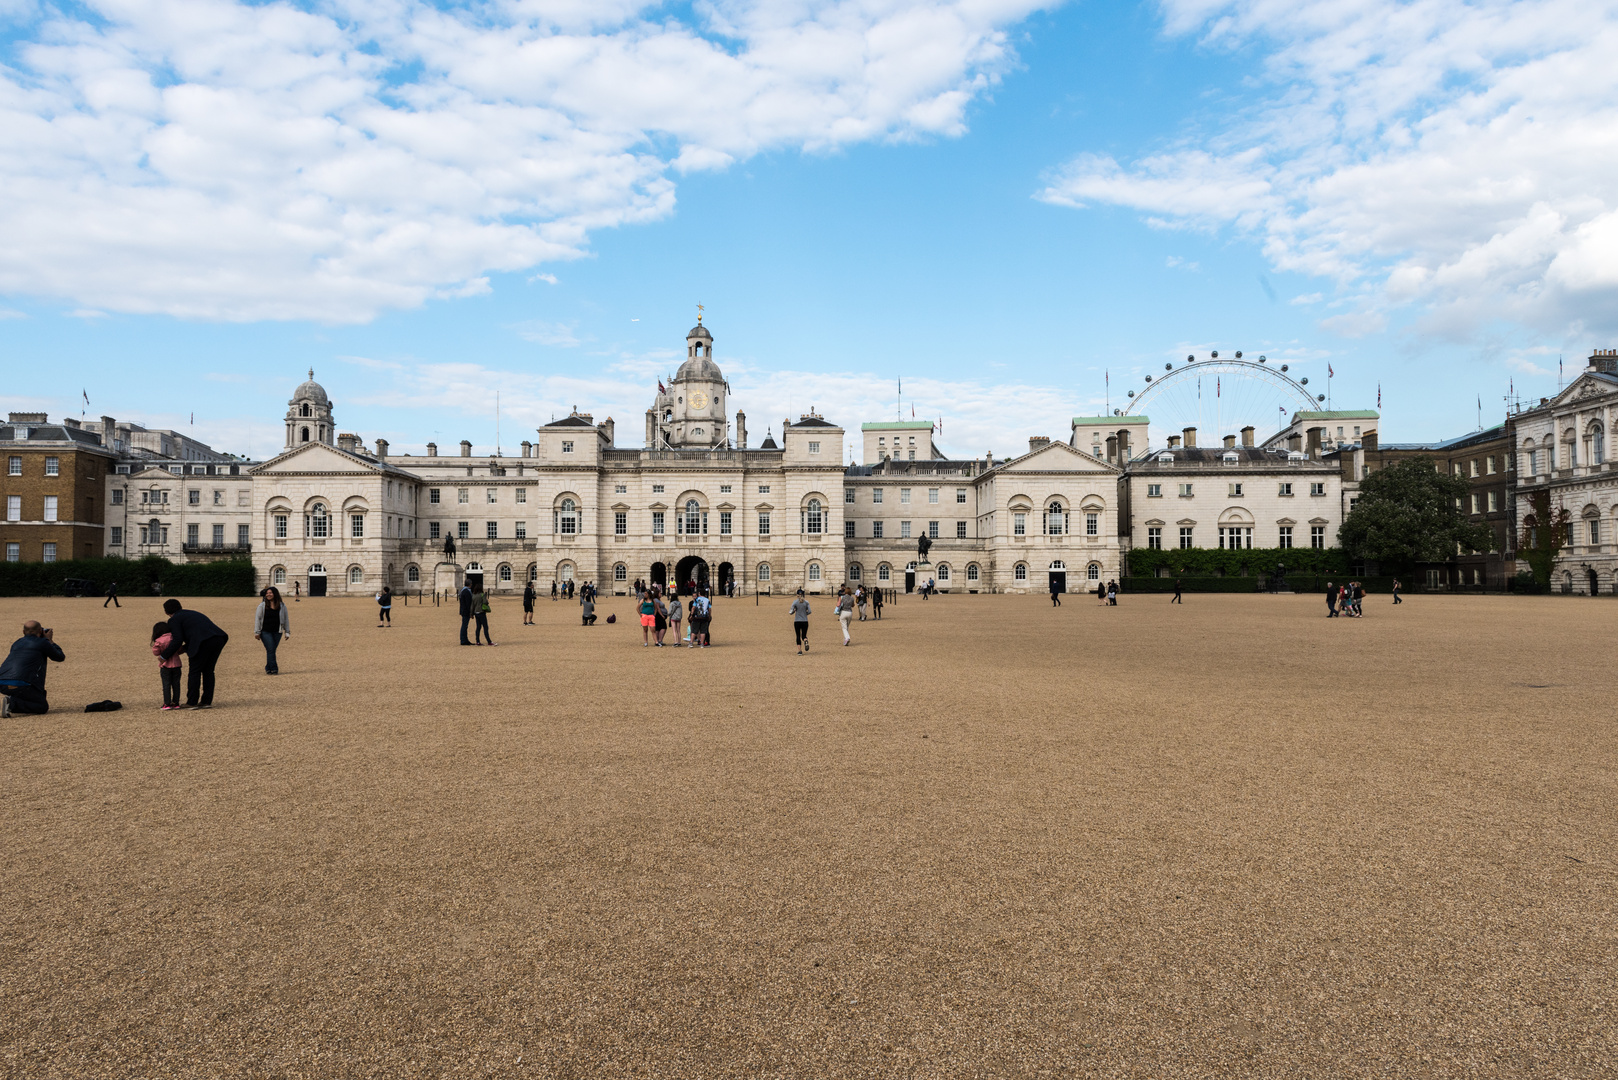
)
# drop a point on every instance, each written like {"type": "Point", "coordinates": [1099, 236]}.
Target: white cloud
{"type": "Point", "coordinates": [547, 333]}
{"type": "Point", "coordinates": [1458, 157]}
{"type": "Point", "coordinates": [219, 159]}
{"type": "Point", "coordinates": [549, 279]}
{"type": "Point", "coordinates": [1307, 298]}
{"type": "Point", "coordinates": [1175, 262]}
{"type": "Point", "coordinates": [8, 313]}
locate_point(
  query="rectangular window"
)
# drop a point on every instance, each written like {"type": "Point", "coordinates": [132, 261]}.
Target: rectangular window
{"type": "Point", "coordinates": [1154, 491]}
{"type": "Point", "coordinates": [117, 496]}
{"type": "Point", "coordinates": [724, 523]}
{"type": "Point", "coordinates": [1286, 536]}
{"type": "Point", "coordinates": [243, 536]}
{"type": "Point", "coordinates": [1595, 531]}
{"type": "Point", "coordinates": [904, 530]}
{"type": "Point", "coordinates": [1474, 467]}
{"type": "Point", "coordinates": [1235, 536]}
{"type": "Point", "coordinates": [724, 489]}
{"type": "Point", "coordinates": [932, 530]}
{"type": "Point", "coordinates": [280, 526]}
{"type": "Point", "coordinates": [848, 530]}
{"type": "Point", "coordinates": [522, 530]}
{"type": "Point", "coordinates": [1019, 524]}
{"type": "Point", "coordinates": [432, 530]}
{"type": "Point", "coordinates": [1185, 491]}
{"type": "Point", "coordinates": [522, 495]}
{"type": "Point", "coordinates": [117, 536]}
{"type": "Point", "coordinates": [1092, 524]}
{"type": "Point", "coordinates": [1235, 491]}
{"type": "Point", "coordinates": [567, 446]}
{"type": "Point", "coordinates": [1476, 500]}
{"type": "Point", "coordinates": [463, 495]}
{"type": "Point", "coordinates": [904, 495]}
{"type": "Point", "coordinates": [764, 523]}
{"type": "Point", "coordinates": [218, 497]}
{"type": "Point", "coordinates": [960, 495]}
{"type": "Point", "coordinates": [356, 526]}
{"type": "Point", "coordinates": [876, 530]}
{"type": "Point", "coordinates": [193, 497]}
{"type": "Point", "coordinates": [434, 495]}
{"type": "Point", "coordinates": [49, 553]}
{"type": "Point", "coordinates": [912, 455]}
{"type": "Point", "coordinates": [620, 489]}
{"type": "Point", "coordinates": [1494, 501]}
{"type": "Point", "coordinates": [1533, 462]}
{"type": "Point", "coordinates": [960, 530]}
{"type": "Point", "coordinates": [657, 523]}
{"type": "Point", "coordinates": [932, 495]}
{"type": "Point", "coordinates": [620, 523]}
{"type": "Point", "coordinates": [13, 507]}
{"type": "Point", "coordinates": [491, 495]}
{"type": "Point", "coordinates": [191, 535]}
{"type": "Point", "coordinates": [13, 553]}
{"type": "Point", "coordinates": [218, 536]}
{"type": "Point", "coordinates": [1317, 489]}
{"type": "Point", "coordinates": [814, 448]}
{"type": "Point", "coordinates": [1154, 538]}
{"type": "Point", "coordinates": [657, 489]}
{"type": "Point", "coordinates": [491, 530]}
{"type": "Point", "coordinates": [50, 508]}
{"type": "Point", "coordinates": [1490, 465]}
{"type": "Point", "coordinates": [1317, 536]}
{"type": "Point", "coordinates": [1185, 536]}
{"type": "Point", "coordinates": [764, 489]}
{"type": "Point", "coordinates": [1286, 489]}
{"type": "Point", "coordinates": [463, 530]}
{"type": "Point", "coordinates": [53, 466]}
{"type": "Point", "coordinates": [15, 465]}
{"type": "Point", "coordinates": [876, 495]}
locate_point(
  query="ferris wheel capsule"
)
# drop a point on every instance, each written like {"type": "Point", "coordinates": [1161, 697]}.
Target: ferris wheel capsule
{"type": "Point", "coordinates": [1262, 358]}
{"type": "Point", "coordinates": [1320, 397]}
{"type": "Point", "coordinates": [1304, 381]}
{"type": "Point", "coordinates": [1283, 367]}
{"type": "Point", "coordinates": [1238, 354]}
{"type": "Point", "coordinates": [1214, 354]}
{"type": "Point", "coordinates": [1132, 393]}
{"type": "Point", "coordinates": [1148, 378]}
{"type": "Point", "coordinates": [1191, 358]}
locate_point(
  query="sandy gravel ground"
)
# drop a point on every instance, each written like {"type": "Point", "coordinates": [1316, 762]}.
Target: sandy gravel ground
{"type": "Point", "coordinates": [1229, 839]}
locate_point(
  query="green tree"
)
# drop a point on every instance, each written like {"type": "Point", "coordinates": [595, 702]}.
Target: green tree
{"type": "Point", "coordinates": [1545, 532]}
{"type": "Point", "coordinates": [1411, 513]}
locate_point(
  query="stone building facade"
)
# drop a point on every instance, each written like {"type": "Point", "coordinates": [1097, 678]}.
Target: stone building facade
{"type": "Point", "coordinates": [53, 489]}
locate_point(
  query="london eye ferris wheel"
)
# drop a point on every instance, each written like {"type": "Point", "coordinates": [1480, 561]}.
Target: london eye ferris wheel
{"type": "Point", "coordinates": [1219, 396]}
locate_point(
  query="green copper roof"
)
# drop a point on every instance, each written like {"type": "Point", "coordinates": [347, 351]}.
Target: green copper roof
{"type": "Point", "coordinates": [1109, 421]}
{"type": "Point", "coordinates": [897, 425]}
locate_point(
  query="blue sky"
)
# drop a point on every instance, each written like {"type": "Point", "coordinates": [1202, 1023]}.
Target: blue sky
{"type": "Point", "coordinates": [996, 202]}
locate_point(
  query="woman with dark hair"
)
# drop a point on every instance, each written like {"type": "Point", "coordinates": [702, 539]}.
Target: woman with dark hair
{"type": "Point", "coordinates": [384, 610]}
{"type": "Point", "coordinates": [528, 603]}
{"type": "Point", "coordinates": [270, 625]}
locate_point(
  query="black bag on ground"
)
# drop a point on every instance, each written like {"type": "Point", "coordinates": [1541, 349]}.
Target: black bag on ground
{"type": "Point", "coordinates": [105, 705]}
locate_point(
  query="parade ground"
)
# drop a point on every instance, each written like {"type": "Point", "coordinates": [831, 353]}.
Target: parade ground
{"type": "Point", "coordinates": [990, 839]}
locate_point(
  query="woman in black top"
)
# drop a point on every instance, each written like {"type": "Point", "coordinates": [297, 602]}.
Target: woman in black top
{"type": "Point", "coordinates": [528, 604]}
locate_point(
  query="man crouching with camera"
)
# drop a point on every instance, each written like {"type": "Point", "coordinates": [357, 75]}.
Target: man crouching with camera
{"type": "Point", "coordinates": [22, 676]}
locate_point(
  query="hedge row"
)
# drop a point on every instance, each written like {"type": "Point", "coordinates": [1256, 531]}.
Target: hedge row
{"type": "Point", "coordinates": [1299, 583]}
{"type": "Point", "coordinates": [1236, 562]}
{"type": "Point", "coordinates": [151, 576]}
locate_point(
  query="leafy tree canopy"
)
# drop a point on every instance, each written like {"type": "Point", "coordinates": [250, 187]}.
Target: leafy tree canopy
{"type": "Point", "coordinates": [1411, 513]}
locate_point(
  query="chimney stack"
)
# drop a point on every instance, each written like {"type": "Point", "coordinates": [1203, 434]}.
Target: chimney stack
{"type": "Point", "coordinates": [466, 447]}
{"type": "Point", "coordinates": [527, 448]}
{"type": "Point", "coordinates": [109, 432]}
{"type": "Point", "coordinates": [1247, 435]}
{"type": "Point", "coordinates": [1190, 434]}
{"type": "Point", "coordinates": [1174, 442]}
{"type": "Point", "coordinates": [1124, 448]}
{"type": "Point", "coordinates": [1112, 447]}
{"type": "Point", "coordinates": [347, 440]}
{"type": "Point", "coordinates": [609, 429]}
{"type": "Point", "coordinates": [432, 449]}
{"type": "Point", "coordinates": [381, 448]}
{"type": "Point", "coordinates": [1316, 436]}
{"type": "Point", "coordinates": [1368, 440]}
{"type": "Point", "coordinates": [1038, 442]}
{"type": "Point", "coordinates": [1604, 360]}
{"type": "Point", "coordinates": [1294, 443]}
{"type": "Point", "coordinates": [1230, 442]}
{"type": "Point", "coordinates": [741, 430]}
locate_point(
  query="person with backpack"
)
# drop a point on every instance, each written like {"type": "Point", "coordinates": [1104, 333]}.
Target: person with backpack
{"type": "Point", "coordinates": [800, 623]}
{"type": "Point", "coordinates": [480, 612]}
{"type": "Point", "coordinates": [701, 612]}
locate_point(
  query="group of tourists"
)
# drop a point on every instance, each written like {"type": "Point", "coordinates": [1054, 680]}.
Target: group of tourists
{"type": "Point", "coordinates": [659, 615]}
{"type": "Point", "coordinates": [1347, 600]}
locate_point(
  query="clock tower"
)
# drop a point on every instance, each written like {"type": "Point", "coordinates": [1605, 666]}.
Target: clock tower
{"type": "Point", "coordinates": [690, 413]}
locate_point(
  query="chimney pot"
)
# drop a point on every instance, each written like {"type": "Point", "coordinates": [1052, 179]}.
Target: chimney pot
{"type": "Point", "coordinates": [1174, 442]}
{"type": "Point", "coordinates": [1247, 435]}
{"type": "Point", "coordinates": [382, 448]}
{"type": "Point", "coordinates": [1230, 442]}
{"type": "Point", "coordinates": [466, 447]}
{"type": "Point", "coordinates": [1190, 434]}
{"type": "Point", "coordinates": [432, 449]}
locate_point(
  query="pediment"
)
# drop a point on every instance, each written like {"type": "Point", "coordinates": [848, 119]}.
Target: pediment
{"type": "Point", "coordinates": [317, 458]}
{"type": "Point", "coordinates": [1587, 385]}
{"type": "Point", "coordinates": [1058, 457]}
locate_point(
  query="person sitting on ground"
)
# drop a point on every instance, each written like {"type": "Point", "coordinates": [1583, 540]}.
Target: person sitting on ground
{"type": "Point", "coordinates": [202, 641]}
{"type": "Point", "coordinates": [588, 607]}
{"type": "Point", "coordinates": [22, 676]}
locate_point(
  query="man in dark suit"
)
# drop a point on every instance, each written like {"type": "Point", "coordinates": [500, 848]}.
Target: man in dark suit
{"type": "Point", "coordinates": [466, 611]}
{"type": "Point", "coordinates": [203, 642]}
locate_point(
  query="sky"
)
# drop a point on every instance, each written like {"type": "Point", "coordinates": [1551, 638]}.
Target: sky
{"type": "Point", "coordinates": [1015, 211]}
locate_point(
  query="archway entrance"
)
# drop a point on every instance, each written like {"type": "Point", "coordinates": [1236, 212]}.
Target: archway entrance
{"type": "Point", "coordinates": [659, 574]}
{"type": "Point", "coordinates": [1058, 572]}
{"type": "Point", "coordinates": [910, 577]}
{"type": "Point", "coordinates": [727, 576]}
{"type": "Point", "coordinates": [317, 580]}
{"type": "Point", "coordinates": [1595, 582]}
{"type": "Point", "coordinates": [474, 576]}
{"type": "Point", "coordinates": [690, 574]}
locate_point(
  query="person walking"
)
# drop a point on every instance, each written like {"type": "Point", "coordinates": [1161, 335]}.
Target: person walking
{"type": "Point", "coordinates": [465, 599]}
{"type": "Point", "coordinates": [1056, 592]}
{"type": "Point", "coordinates": [1396, 588]}
{"type": "Point", "coordinates": [384, 608]}
{"type": "Point", "coordinates": [528, 596]}
{"type": "Point", "coordinates": [1177, 599]}
{"type": "Point", "coordinates": [876, 603]}
{"type": "Point", "coordinates": [297, 591]}
{"type": "Point", "coordinates": [1359, 599]}
{"type": "Point", "coordinates": [22, 676]}
{"type": "Point", "coordinates": [1112, 594]}
{"type": "Point", "coordinates": [480, 611]}
{"type": "Point", "coordinates": [168, 669]}
{"type": "Point", "coordinates": [112, 596]}
{"type": "Point", "coordinates": [202, 641]}
{"type": "Point", "coordinates": [701, 612]}
{"type": "Point", "coordinates": [648, 618]}
{"type": "Point", "coordinates": [845, 612]}
{"type": "Point", "coordinates": [270, 625]}
{"type": "Point", "coordinates": [800, 623]}
{"type": "Point", "coordinates": [1331, 601]}
{"type": "Point", "coordinates": [860, 599]}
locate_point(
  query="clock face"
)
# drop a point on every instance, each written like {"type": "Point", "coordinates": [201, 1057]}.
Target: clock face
{"type": "Point", "coordinates": [699, 400]}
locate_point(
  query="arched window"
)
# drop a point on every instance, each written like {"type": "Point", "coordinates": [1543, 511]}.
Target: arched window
{"type": "Point", "coordinates": [505, 573]}
{"type": "Point", "coordinates": [1093, 572]}
{"type": "Point", "coordinates": [1598, 444]}
{"type": "Point", "coordinates": [620, 572]}
{"type": "Point", "coordinates": [278, 576]}
{"type": "Point", "coordinates": [474, 567]}
{"type": "Point", "coordinates": [971, 571]}
{"type": "Point", "coordinates": [319, 526]}
{"type": "Point", "coordinates": [1020, 572]}
{"type": "Point", "coordinates": [356, 575]}
{"type": "Point", "coordinates": [813, 520]}
{"type": "Point", "coordinates": [693, 517]}
{"type": "Point", "coordinates": [943, 571]}
{"type": "Point", "coordinates": [533, 571]}
{"type": "Point", "coordinates": [764, 571]}
{"type": "Point", "coordinates": [814, 571]}
{"type": "Point", "coordinates": [567, 518]}
{"type": "Point", "coordinates": [1058, 564]}
{"type": "Point", "coordinates": [305, 435]}
{"type": "Point", "coordinates": [1054, 520]}
{"type": "Point", "coordinates": [853, 571]}
{"type": "Point", "coordinates": [564, 572]}
{"type": "Point", "coordinates": [884, 572]}
{"type": "Point", "coordinates": [304, 411]}
{"type": "Point", "coordinates": [413, 573]}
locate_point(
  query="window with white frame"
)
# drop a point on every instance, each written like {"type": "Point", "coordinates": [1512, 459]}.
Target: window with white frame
{"type": "Point", "coordinates": [724, 489]}
{"type": "Point", "coordinates": [1317, 536]}
{"type": "Point", "coordinates": [505, 573]}
{"type": "Point", "coordinates": [814, 571]}
{"type": "Point", "coordinates": [463, 530]}
{"type": "Point", "coordinates": [1020, 572]}
{"type": "Point", "coordinates": [522, 495]}
{"type": "Point", "coordinates": [904, 530]}
{"type": "Point", "coordinates": [491, 530]}
{"type": "Point", "coordinates": [763, 571]}
{"type": "Point", "coordinates": [620, 489]}
{"type": "Point", "coordinates": [413, 573]}
{"type": "Point", "coordinates": [1185, 536]}
{"type": "Point", "coordinates": [463, 495]}
{"type": "Point", "coordinates": [1185, 491]}
{"type": "Point", "coordinates": [1235, 491]}
{"type": "Point", "coordinates": [1286, 536]}
{"type": "Point", "coordinates": [884, 572]}
{"type": "Point", "coordinates": [848, 530]}
{"type": "Point", "coordinates": [193, 497]}
{"type": "Point", "coordinates": [848, 495]}
{"type": "Point", "coordinates": [943, 572]}
{"type": "Point", "coordinates": [1317, 489]}
{"type": "Point", "coordinates": [1154, 537]}
{"type": "Point", "coordinates": [932, 495]}
{"type": "Point", "coordinates": [13, 507]}
{"type": "Point", "coordinates": [53, 466]}
{"type": "Point", "coordinates": [1235, 536]}
{"type": "Point", "coordinates": [876, 495]}
{"type": "Point", "coordinates": [932, 530]}
{"type": "Point", "coordinates": [657, 523]}
{"type": "Point", "coordinates": [567, 518]}
{"type": "Point", "coordinates": [432, 530]}
{"type": "Point", "coordinates": [693, 517]}
{"type": "Point", "coordinates": [960, 530]}
{"type": "Point", "coordinates": [14, 465]}
{"type": "Point", "coordinates": [434, 495]}
{"type": "Point", "coordinates": [814, 448]}
{"type": "Point", "coordinates": [1055, 520]}
{"type": "Point", "coordinates": [280, 521]}
{"type": "Point", "coordinates": [356, 526]}
{"type": "Point", "coordinates": [764, 523]}
{"type": "Point", "coordinates": [620, 572]}
{"type": "Point", "coordinates": [971, 572]}
{"type": "Point", "coordinates": [904, 495]}
{"type": "Point", "coordinates": [764, 489]}
{"type": "Point", "coordinates": [1154, 491]}
{"type": "Point", "coordinates": [813, 518]}
{"type": "Point", "coordinates": [13, 553]}
{"type": "Point", "coordinates": [960, 495]}
{"type": "Point", "coordinates": [522, 530]}
{"type": "Point", "coordinates": [724, 523]}
{"type": "Point", "coordinates": [657, 489]}
{"type": "Point", "coordinates": [356, 575]}
{"type": "Point", "coordinates": [191, 534]}
{"type": "Point", "coordinates": [279, 575]}
{"type": "Point", "coordinates": [1092, 524]}
{"type": "Point", "coordinates": [620, 523]}
{"type": "Point", "coordinates": [876, 530]}
{"type": "Point", "coordinates": [218, 536]}
{"type": "Point", "coordinates": [48, 552]}
{"type": "Point", "coordinates": [567, 446]}
{"type": "Point", "coordinates": [1019, 524]}
{"type": "Point", "coordinates": [491, 495]}
{"type": "Point", "coordinates": [117, 536]}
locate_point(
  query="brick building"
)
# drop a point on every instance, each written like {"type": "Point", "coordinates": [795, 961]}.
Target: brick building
{"type": "Point", "coordinates": [53, 488]}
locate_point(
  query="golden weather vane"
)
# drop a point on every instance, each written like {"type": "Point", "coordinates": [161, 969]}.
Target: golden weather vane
{"type": "Point", "coordinates": [699, 314]}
